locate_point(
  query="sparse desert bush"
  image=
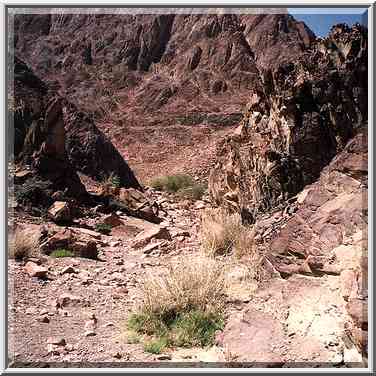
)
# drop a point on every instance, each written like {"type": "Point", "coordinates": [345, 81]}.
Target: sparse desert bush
{"type": "Point", "coordinates": [23, 244]}
{"type": "Point", "coordinates": [194, 193]}
{"type": "Point", "coordinates": [156, 346]}
{"type": "Point", "coordinates": [61, 252]}
{"type": "Point", "coordinates": [110, 182]}
{"type": "Point", "coordinates": [223, 233]}
{"type": "Point", "coordinates": [103, 228]}
{"type": "Point", "coordinates": [34, 192]}
{"type": "Point", "coordinates": [185, 306]}
{"type": "Point", "coordinates": [184, 185]}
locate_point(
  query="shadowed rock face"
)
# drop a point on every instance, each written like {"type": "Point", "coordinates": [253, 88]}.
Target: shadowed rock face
{"type": "Point", "coordinates": [48, 130]}
{"type": "Point", "coordinates": [302, 117]}
{"type": "Point", "coordinates": [40, 134]}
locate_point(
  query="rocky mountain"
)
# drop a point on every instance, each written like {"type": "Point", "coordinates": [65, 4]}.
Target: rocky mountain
{"type": "Point", "coordinates": [271, 117]}
{"type": "Point", "coordinates": [153, 79]}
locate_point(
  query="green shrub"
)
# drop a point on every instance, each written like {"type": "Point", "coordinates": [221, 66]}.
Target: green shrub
{"type": "Point", "coordinates": [184, 307]}
{"type": "Point", "coordinates": [103, 228]}
{"type": "Point", "coordinates": [172, 183]}
{"type": "Point", "coordinates": [196, 328]}
{"type": "Point", "coordinates": [156, 346]}
{"type": "Point", "coordinates": [62, 253]}
{"type": "Point", "coordinates": [193, 193]}
{"type": "Point", "coordinates": [183, 185]}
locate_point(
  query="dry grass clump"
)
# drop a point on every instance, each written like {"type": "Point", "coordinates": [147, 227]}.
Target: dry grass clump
{"type": "Point", "coordinates": [223, 233]}
{"type": "Point", "coordinates": [184, 307]}
{"type": "Point", "coordinates": [22, 245]}
{"type": "Point", "coordinates": [186, 286]}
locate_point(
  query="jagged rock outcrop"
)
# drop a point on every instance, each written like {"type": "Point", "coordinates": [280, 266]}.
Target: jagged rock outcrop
{"type": "Point", "coordinates": [40, 135]}
{"type": "Point", "coordinates": [90, 151]}
{"type": "Point", "coordinates": [292, 128]}
{"type": "Point", "coordinates": [276, 38]}
{"type": "Point", "coordinates": [55, 139]}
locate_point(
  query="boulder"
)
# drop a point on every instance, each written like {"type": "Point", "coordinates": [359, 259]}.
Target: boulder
{"type": "Point", "coordinates": [112, 219]}
{"type": "Point", "coordinates": [79, 241]}
{"type": "Point", "coordinates": [60, 212]}
{"type": "Point", "coordinates": [35, 270]}
{"type": "Point", "coordinates": [155, 232]}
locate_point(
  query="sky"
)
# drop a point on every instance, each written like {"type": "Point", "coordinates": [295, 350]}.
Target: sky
{"type": "Point", "coordinates": [320, 20]}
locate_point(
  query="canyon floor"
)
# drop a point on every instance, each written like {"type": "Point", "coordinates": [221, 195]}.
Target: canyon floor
{"type": "Point", "coordinates": [77, 314]}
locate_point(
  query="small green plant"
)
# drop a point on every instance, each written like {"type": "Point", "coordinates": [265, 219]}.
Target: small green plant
{"type": "Point", "coordinates": [182, 308]}
{"type": "Point", "coordinates": [183, 185]}
{"type": "Point", "coordinates": [115, 180]}
{"type": "Point", "coordinates": [61, 252]}
{"type": "Point", "coordinates": [103, 228]}
{"type": "Point", "coordinates": [156, 346]}
{"type": "Point", "coordinates": [172, 183]}
{"type": "Point", "coordinates": [196, 328]}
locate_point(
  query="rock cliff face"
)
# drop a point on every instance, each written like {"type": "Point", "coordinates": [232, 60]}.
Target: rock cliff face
{"type": "Point", "coordinates": [39, 134]}
{"type": "Point", "coordinates": [53, 136]}
{"type": "Point", "coordinates": [302, 117]}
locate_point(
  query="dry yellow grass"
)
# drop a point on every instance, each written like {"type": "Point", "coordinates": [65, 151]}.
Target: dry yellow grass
{"type": "Point", "coordinates": [223, 233]}
{"type": "Point", "coordinates": [190, 285]}
{"type": "Point", "coordinates": [22, 244]}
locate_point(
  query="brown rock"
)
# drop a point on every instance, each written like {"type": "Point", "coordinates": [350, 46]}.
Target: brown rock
{"type": "Point", "coordinates": [68, 270]}
{"type": "Point", "coordinates": [156, 232]}
{"type": "Point", "coordinates": [112, 219]}
{"type": "Point", "coordinates": [66, 300]}
{"type": "Point", "coordinates": [87, 249]}
{"type": "Point", "coordinates": [58, 341]}
{"type": "Point", "coordinates": [348, 283]}
{"type": "Point", "coordinates": [358, 310]}
{"type": "Point", "coordinates": [60, 212]}
{"type": "Point", "coordinates": [35, 270]}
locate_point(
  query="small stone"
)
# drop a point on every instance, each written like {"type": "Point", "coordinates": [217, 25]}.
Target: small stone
{"type": "Point", "coordinates": [52, 349]}
{"type": "Point", "coordinates": [90, 333]}
{"type": "Point", "coordinates": [164, 357]}
{"type": "Point", "coordinates": [69, 347]}
{"type": "Point", "coordinates": [112, 219]}
{"type": "Point", "coordinates": [107, 325]}
{"type": "Point", "coordinates": [59, 341]}
{"type": "Point", "coordinates": [44, 319]}
{"type": "Point", "coordinates": [31, 311]}
{"type": "Point", "coordinates": [117, 355]}
{"type": "Point", "coordinates": [60, 212]}
{"type": "Point", "coordinates": [68, 269]}
{"type": "Point", "coordinates": [68, 299]}
{"type": "Point", "coordinates": [35, 270]}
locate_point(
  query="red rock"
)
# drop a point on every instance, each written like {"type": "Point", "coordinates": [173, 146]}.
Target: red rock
{"type": "Point", "coordinates": [35, 270]}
